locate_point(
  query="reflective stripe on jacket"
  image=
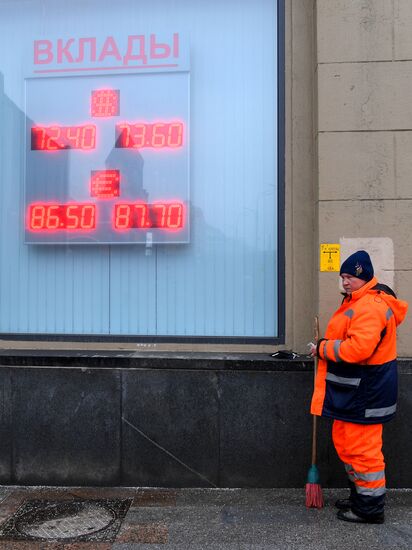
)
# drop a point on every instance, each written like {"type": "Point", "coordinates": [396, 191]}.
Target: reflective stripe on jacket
{"type": "Point", "coordinates": [357, 372]}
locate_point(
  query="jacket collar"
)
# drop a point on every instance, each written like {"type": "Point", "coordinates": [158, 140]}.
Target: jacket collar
{"type": "Point", "coordinates": [364, 289]}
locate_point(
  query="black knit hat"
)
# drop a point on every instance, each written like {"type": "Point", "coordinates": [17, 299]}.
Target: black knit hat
{"type": "Point", "coordinates": [358, 265]}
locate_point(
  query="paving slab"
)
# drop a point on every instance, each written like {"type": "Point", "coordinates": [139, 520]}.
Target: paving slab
{"type": "Point", "coordinates": [223, 519]}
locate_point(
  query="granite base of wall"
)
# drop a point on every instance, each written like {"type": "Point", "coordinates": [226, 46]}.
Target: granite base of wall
{"type": "Point", "coordinates": [173, 422]}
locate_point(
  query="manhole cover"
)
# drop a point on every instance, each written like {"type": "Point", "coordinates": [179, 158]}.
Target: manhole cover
{"type": "Point", "coordinates": [67, 520]}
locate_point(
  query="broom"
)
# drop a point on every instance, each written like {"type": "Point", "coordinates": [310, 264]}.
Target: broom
{"type": "Point", "coordinates": [314, 496]}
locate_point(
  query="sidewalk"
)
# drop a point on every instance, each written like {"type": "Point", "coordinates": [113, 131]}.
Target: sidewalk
{"type": "Point", "coordinates": [197, 519]}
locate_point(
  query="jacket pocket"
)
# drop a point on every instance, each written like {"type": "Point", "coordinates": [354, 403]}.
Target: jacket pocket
{"type": "Point", "coordinates": [342, 395]}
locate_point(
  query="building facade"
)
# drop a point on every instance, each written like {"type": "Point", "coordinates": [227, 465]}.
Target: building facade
{"type": "Point", "coordinates": [171, 176]}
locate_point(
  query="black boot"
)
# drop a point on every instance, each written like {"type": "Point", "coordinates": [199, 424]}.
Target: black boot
{"type": "Point", "coordinates": [346, 503]}
{"type": "Point", "coordinates": [343, 503]}
{"type": "Point", "coordinates": [348, 515]}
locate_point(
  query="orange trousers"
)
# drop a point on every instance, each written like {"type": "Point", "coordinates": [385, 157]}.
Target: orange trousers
{"type": "Point", "coordinates": [359, 446]}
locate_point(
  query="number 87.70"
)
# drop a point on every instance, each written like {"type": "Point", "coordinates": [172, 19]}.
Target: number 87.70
{"type": "Point", "coordinates": [144, 216]}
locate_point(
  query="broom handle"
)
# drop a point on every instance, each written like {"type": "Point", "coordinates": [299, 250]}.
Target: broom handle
{"type": "Point", "coordinates": [314, 425]}
{"type": "Point", "coordinates": [314, 433]}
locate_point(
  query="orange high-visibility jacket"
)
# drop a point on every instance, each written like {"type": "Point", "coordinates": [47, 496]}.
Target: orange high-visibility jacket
{"type": "Point", "coordinates": [357, 372]}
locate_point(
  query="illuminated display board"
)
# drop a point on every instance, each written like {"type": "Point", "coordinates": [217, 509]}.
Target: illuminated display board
{"type": "Point", "coordinates": [138, 123]}
{"type": "Point", "coordinates": [107, 159]}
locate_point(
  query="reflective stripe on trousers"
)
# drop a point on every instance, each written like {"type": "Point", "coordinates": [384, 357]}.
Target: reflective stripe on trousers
{"type": "Point", "coordinates": [368, 484]}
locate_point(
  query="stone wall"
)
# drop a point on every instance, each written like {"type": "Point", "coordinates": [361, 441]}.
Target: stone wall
{"type": "Point", "coordinates": [364, 137]}
{"type": "Point", "coordinates": [172, 422]}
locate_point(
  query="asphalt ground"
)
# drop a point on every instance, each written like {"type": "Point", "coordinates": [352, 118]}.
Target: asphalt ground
{"type": "Point", "coordinates": [216, 519]}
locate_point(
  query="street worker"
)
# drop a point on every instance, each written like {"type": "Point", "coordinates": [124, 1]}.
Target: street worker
{"type": "Point", "coordinates": [356, 383]}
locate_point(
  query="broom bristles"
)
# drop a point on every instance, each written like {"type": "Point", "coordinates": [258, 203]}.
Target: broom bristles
{"type": "Point", "coordinates": [314, 495]}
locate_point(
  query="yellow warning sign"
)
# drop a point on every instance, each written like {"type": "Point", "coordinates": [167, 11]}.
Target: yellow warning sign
{"type": "Point", "coordinates": [330, 257]}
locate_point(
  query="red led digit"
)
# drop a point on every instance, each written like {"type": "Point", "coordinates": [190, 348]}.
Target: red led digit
{"type": "Point", "coordinates": [105, 103]}
{"type": "Point", "coordinates": [38, 138]}
{"type": "Point", "coordinates": [142, 219]}
{"type": "Point", "coordinates": [123, 135]}
{"type": "Point", "coordinates": [174, 216]}
{"type": "Point", "coordinates": [53, 134]}
{"type": "Point", "coordinates": [37, 217]}
{"type": "Point", "coordinates": [72, 217]}
{"type": "Point", "coordinates": [160, 214]}
{"type": "Point", "coordinates": [139, 135]}
{"type": "Point", "coordinates": [52, 217]}
{"type": "Point", "coordinates": [122, 216]}
{"type": "Point", "coordinates": [87, 220]}
{"type": "Point", "coordinates": [88, 137]}
{"type": "Point", "coordinates": [72, 135]}
{"type": "Point", "coordinates": [175, 134]}
{"type": "Point", "coordinates": [158, 136]}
